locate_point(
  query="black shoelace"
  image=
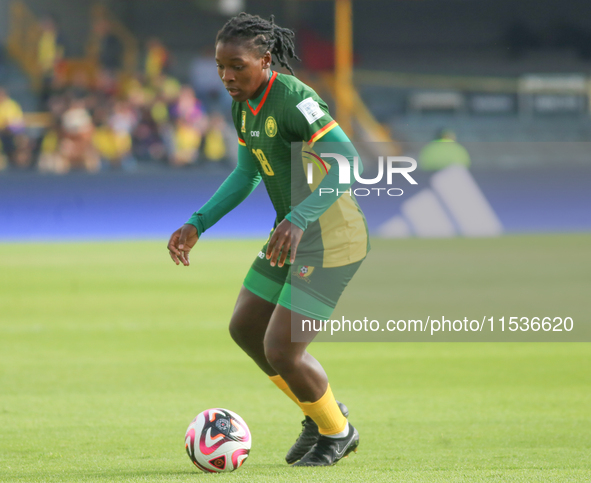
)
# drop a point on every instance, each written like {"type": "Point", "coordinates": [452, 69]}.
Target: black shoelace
{"type": "Point", "coordinates": [305, 423]}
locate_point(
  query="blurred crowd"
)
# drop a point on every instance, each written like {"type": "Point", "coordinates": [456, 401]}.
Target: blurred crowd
{"type": "Point", "coordinates": [118, 125]}
{"type": "Point", "coordinates": [102, 119]}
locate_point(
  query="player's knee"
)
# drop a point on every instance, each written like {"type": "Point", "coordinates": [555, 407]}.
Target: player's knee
{"type": "Point", "coordinates": [279, 359]}
{"type": "Point", "coordinates": [276, 359]}
{"type": "Point", "coordinates": [238, 332]}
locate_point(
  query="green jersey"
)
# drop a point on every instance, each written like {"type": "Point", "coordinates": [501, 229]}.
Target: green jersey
{"type": "Point", "coordinates": [287, 112]}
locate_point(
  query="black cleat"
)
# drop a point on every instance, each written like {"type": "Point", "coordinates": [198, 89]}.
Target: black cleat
{"type": "Point", "coordinates": [328, 451]}
{"type": "Point", "coordinates": [308, 437]}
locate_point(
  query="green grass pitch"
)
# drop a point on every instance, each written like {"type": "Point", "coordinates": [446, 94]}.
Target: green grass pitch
{"type": "Point", "coordinates": [108, 351]}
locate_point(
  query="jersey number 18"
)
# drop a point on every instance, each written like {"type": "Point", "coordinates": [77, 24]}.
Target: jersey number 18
{"type": "Point", "coordinates": [264, 163]}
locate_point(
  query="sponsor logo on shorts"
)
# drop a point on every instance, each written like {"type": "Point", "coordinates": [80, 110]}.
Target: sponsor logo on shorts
{"type": "Point", "coordinates": [261, 255]}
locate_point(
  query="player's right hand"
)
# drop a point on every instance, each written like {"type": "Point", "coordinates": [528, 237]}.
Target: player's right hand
{"type": "Point", "coordinates": [180, 244]}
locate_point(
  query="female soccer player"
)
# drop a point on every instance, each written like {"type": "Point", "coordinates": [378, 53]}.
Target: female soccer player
{"type": "Point", "coordinates": [325, 236]}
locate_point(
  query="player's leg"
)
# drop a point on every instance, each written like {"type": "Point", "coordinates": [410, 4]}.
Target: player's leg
{"type": "Point", "coordinates": [248, 326]}
{"type": "Point", "coordinates": [303, 373]}
{"type": "Point", "coordinates": [329, 432]}
{"type": "Point", "coordinates": [254, 307]}
{"type": "Point", "coordinates": [296, 365]}
{"type": "Point", "coordinates": [311, 294]}
{"type": "Point", "coordinates": [256, 301]}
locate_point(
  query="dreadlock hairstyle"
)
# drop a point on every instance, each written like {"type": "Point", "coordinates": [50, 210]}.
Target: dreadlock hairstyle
{"type": "Point", "coordinates": [266, 36]}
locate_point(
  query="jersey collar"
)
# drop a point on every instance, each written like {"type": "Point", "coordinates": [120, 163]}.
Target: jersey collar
{"type": "Point", "coordinates": [265, 94]}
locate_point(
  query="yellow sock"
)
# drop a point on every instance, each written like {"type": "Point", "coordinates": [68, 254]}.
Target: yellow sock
{"type": "Point", "coordinates": [326, 414]}
{"type": "Point", "coordinates": [281, 384]}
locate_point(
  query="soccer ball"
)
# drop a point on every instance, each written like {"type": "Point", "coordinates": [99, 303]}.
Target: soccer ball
{"type": "Point", "coordinates": [218, 440]}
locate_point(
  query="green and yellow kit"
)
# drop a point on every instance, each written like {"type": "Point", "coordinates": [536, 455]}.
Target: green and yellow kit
{"type": "Point", "coordinates": [291, 112]}
{"type": "Point", "coordinates": [273, 130]}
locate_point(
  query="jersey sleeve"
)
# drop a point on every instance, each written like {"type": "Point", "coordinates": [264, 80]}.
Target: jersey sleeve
{"type": "Point", "coordinates": [315, 205]}
{"type": "Point", "coordinates": [306, 117]}
{"type": "Point", "coordinates": [233, 191]}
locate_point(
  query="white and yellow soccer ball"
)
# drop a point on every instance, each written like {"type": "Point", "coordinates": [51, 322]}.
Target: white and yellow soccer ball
{"type": "Point", "coordinates": [218, 440]}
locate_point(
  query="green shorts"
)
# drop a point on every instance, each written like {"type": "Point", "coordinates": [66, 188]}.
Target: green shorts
{"type": "Point", "coordinates": [310, 291]}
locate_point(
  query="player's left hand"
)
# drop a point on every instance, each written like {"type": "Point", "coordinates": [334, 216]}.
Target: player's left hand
{"type": "Point", "coordinates": [284, 237]}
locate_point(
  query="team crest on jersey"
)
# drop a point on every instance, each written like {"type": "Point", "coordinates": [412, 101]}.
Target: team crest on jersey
{"type": "Point", "coordinates": [243, 128]}
{"type": "Point", "coordinates": [304, 272]}
{"type": "Point", "coordinates": [270, 126]}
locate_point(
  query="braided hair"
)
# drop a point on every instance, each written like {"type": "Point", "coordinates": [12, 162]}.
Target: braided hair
{"type": "Point", "coordinates": [266, 36]}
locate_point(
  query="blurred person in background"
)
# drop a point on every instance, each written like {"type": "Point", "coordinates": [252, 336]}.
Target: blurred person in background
{"type": "Point", "coordinates": [112, 137]}
{"type": "Point", "coordinates": [123, 118]}
{"type": "Point", "coordinates": [159, 110]}
{"type": "Point", "coordinates": [188, 108]}
{"type": "Point", "coordinates": [50, 51]}
{"type": "Point", "coordinates": [147, 118]}
{"type": "Point", "coordinates": [11, 117]}
{"type": "Point", "coordinates": [17, 147]}
{"type": "Point", "coordinates": [168, 87]}
{"type": "Point", "coordinates": [162, 95]}
{"type": "Point", "coordinates": [183, 142]}
{"type": "Point", "coordinates": [3, 158]}
{"type": "Point", "coordinates": [105, 89]}
{"type": "Point", "coordinates": [122, 122]}
{"type": "Point", "coordinates": [58, 104]}
{"type": "Point", "coordinates": [190, 122]}
{"type": "Point", "coordinates": [58, 89]}
{"type": "Point", "coordinates": [147, 143]}
{"type": "Point", "coordinates": [218, 141]}
{"type": "Point", "coordinates": [157, 59]}
{"type": "Point", "coordinates": [135, 92]}
{"type": "Point", "coordinates": [110, 47]}
{"type": "Point", "coordinates": [442, 152]}
{"type": "Point", "coordinates": [50, 159]}
{"type": "Point", "coordinates": [76, 146]}
{"type": "Point", "coordinates": [23, 151]}
{"type": "Point", "coordinates": [80, 87]}
{"type": "Point", "coordinates": [204, 78]}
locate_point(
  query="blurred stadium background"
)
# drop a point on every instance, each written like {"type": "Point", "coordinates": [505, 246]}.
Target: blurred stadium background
{"type": "Point", "coordinates": [124, 128]}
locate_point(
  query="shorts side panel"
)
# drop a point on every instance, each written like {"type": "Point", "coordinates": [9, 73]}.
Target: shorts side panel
{"type": "Point", "coordinates": [262, 286]}
{"type": "Point", "coordinates": [315, 291]}
{"type": "Point", "coordinates": [302, 303]}
{"type": "Point", "coordinates": [264, 280]}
